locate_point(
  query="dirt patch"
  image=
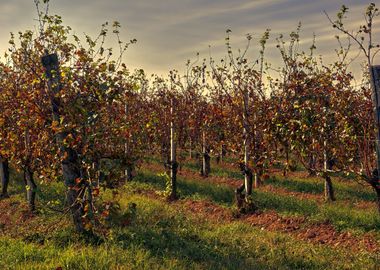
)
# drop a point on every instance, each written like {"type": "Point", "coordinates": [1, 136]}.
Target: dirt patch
{"type": "Point", "coordinates": [13, 215]}
{"type": "Point", "coordinates": [235, 183]}
{"type": "Point", "coordinates": [186, 173]}
{"type": "Point", "coordinates": [272, 221]}
{"type": "Point", "coordinates": [326, 234]}
{"type": "Point", "coordinates": [322, 233]}
{"type": "Point", "coordinates": [149, 193]}
{"type": "Point", "coordinates": [364, 205]}
{"type": "Point", "coordinates": [207, 209]}
{"type": "Point", "coordinates": [204, 208]}
{"type": "Point", "coordinates": [299, 227]}
{"type": "Point", "coordinates": [299, 195]}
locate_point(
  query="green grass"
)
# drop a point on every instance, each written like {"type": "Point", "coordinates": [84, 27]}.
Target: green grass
{"type": "Point", "coordinates": [195, 189]}
{"type": "Point", "coordinates": [163, 237]}
{"type": "Point", "coordinates": [340, 215]}
{"type": "Point", "coordinates": [216, 170]}
{"type": "Point", "coordinates": [166, 236]}
{"type": "Point", "coordinates": [345, 189]}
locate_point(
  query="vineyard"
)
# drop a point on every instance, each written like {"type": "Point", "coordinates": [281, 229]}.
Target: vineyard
{"type": "Point", "coordinates": [233, 164]}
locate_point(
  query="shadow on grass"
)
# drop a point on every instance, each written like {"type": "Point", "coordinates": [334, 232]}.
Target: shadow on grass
{"type": "Point", "coordinates": [285, 204]}
{"type": "Point", "coordinates": [165, 242]}
{"type": "Point", "coordinates": [16, 182]}
{"type": "Point", "coordinates": [312, 187]}
{"type": "Point", "coordinates": [217, 193]}
{"type": "Point", "coordinates": [298, 186]}
{"type": "Point", "coordinates": [225, 195]}
{"type": "Point", "coordinates": [227, 173]}
{"type": "Point", "coordinates": [176, 237]}
{"type": "Point", "coordinates": [216, 170]}
{"type": "Point", "coordinates": [341, 216]}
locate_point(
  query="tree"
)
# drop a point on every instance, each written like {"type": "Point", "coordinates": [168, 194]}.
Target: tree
{"type": "Point", "coordinates": [363, 37]}
{"type": "Point", "coordinates": [242, 82]}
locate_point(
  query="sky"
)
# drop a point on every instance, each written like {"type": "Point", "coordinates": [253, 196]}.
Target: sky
{"type": "Point", "coordinates": [169, 32]}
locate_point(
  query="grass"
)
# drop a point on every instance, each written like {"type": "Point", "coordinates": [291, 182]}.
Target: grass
{"type": "Point", "coordinates": [163, 237]}
{"type": "Point", "coordinates": [341, 215]}
{"type": "Point", "coordinates": [166, 236]}
{"type": "Point", "coordinates": [195, 189]}
{"type": "Point", "coordinates": [345, 187]}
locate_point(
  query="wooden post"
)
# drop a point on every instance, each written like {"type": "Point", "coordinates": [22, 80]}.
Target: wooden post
{"type": "Point", "coordinates": [204, 170]}
{"type": "Point", "coordinates": [329, 190]}
{"type": "Point", "coordinates": [325, 155]}
{"type": "Point", "coordinates": [257, 179]}
{"type": "Point", "coordinates": [173, 158]}
{"type": "Point", "coordinates": [221, 153]}
{"type": "Point", "coordinates": [247, 148]}
{"type": "Point", "coordinates": [375, 85]}
{"type": "Point", "coordinates": [70, 161]}
{"type": "Point", "coordinates": [128, 171]}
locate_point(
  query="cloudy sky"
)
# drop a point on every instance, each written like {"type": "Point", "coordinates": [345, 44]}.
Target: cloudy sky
{"type": "Point", "coordinates": [171, 31]}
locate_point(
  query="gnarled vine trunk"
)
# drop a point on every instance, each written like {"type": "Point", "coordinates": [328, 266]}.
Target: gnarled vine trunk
{"type": "Point", "coordinates": [206, 167]}
{"type": "Point", "coordinates": [329, 190]}
{"type": "Point", "coordinates": [190, 149]}
{"type": "Point", "coordinates": [70, 162]}
{"type": "Point", "coordinates": [129, 172]}
{"type": "Point", "coordinates": [71, 174]}
{"type": "Point", "coordinates": [221, 154]}
{"type": "Point", "coordinates": [31, 188]}
{"type": "Point", "coordinates": [244, 202]}
{"type": "Point", "coordinates": [4, 174]}
{"type": "Point", "coordinates": [374, 181]}
{"type": "Point", "coordinates": [286, 168]}
{"type": "Point", "coordinates": [257, 182]}
{"type": "Point", "coordinates": [377, 190]}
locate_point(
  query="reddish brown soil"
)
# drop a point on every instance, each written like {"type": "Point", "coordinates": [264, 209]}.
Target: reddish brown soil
{"type": "Point", "coordinates": [17, 221]}
{"type": "Point", "coordinates": [13, 215]}
{"type": "Point", "coordinates": [317, 197]}
{"type": "Point", "coordinates": [299, 227]}
{"type": "Point", "coordinates": [208, 210]}
{"type": "Point", "coordinates": [322, 233]}
{"type": "Point", "coordinates": [196, 176]}
{"type": "Point", "coordinates": [203, 208]}
{"type": "Point", "coordinates": [299, 195]}
{"type": "Point", "coordinates": [235, 183]}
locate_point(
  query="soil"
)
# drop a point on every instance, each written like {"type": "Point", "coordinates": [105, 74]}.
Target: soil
{"type": "Point", "coordinates": [321, 233]}
{"type": "Point", "coordinates": [235, 183]}
{"type": "Point", "coordinates": [299, 227]}
{"type": "Point", "coordinates": [15, 217]}
{"type": "Point", "coordinates": [14, 214]}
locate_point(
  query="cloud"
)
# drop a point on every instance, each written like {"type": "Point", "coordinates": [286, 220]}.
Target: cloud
{"type": "Point", "coordinates": [171, 31]}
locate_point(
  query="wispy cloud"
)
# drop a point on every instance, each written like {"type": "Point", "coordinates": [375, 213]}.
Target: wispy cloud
{"type": "Point", "coordinates": [171, 31]}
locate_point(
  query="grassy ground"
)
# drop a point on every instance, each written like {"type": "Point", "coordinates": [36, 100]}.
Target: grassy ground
{"type": "Point", "coordinates": [200, 231]}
